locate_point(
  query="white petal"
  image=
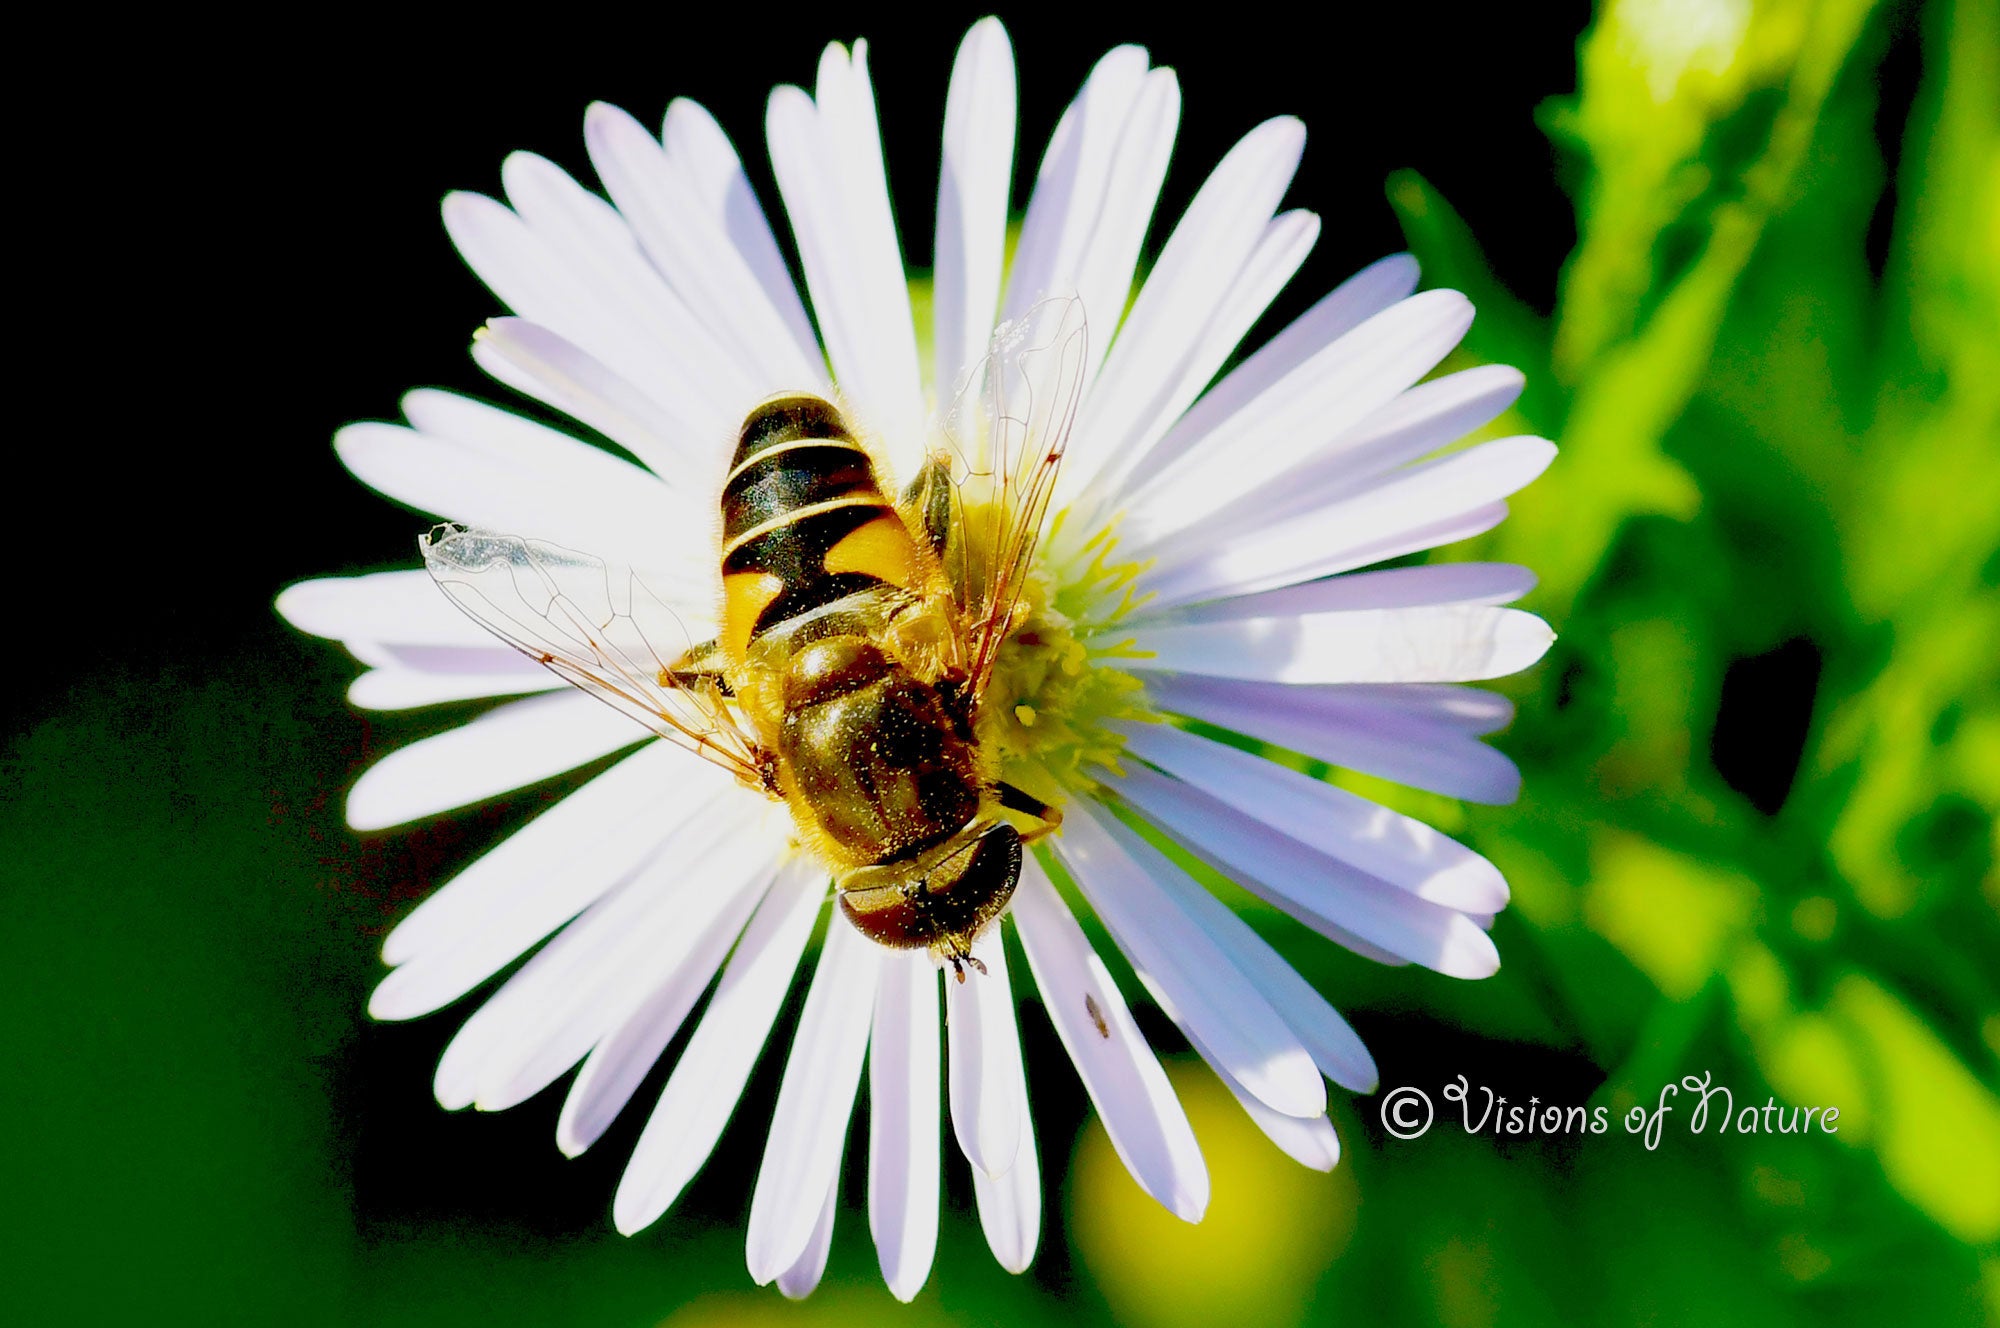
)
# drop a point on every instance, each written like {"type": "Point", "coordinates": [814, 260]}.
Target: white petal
{"type": "Point", "coordinates": [709, 1078]}
{"type": "Point", "coordinates": [1010, 1207]}
{"type": "Point", "coordinates": [523, 443]}
{"type": "Point", "coordinates": [827, 155]}
{"type": "Point", "coordinates": [1347, 727]}
{"type": "Point", "coordinates": [509, 747]}
{"type": "Point", "coordinates": [380, 606]}
{"type": "Point", "coordinates": [512, 674]}
{"type": "Point", "coordinates": [505, 1028]}
{"type": "Point", "coordinates": [1305, 883]}
{"type": "Point", "coordinates": [1449, 643]}
{"type": "Point", "coordinates": [594, 832]}
{"type": "Point", "coordinates": [1469, 708]}
{"type": "Point", "coordinates": [1186, 288]}
{"type": "Point", "coordinates": [1068, 197]}
{"type": "Point", "coordinates": [683, 364]}
{"type": "Point", "coordinates": [666, 928]}
{"type": "Point", "coordinates": [978, 166]}
{"type": "Point", "coordinates": [635, 520]}
{"type": "Point", "coordinates": [903, 1144]}
{"type": "Point", "coordinates": [987, 1093]}
{"type": "Point", "coordinates": [1284, 246]}
{"type": "Point", "coordinates": [543, 282]}
{"type": "Point", "coordinates": [809, 1126]}
{"type": "Point", "coordinates": [576, 382]}
{"type": "Point", "coordinates": [1417, 508]}
{"type": "Point", "coordinates": [1302, 413]}
{"type": "Point", "coordinates": [1397, 848]}
{"type": "Point", "coordinates": [464, 661]}
{"type": "Point", "coordinates": [1427, 418]}
{"type": "Point", "coordinates": [1334, 1046]}
{"type": "Point", "coordinates": [1121, 875]}
{"type": "Point", "coordinates": [680, 970]}
{"type": "Point", "coordinates": [533, 881]}
{"type": "Point", "coordinates": [802, 1278]}
{"type": "Point", "coordinates": [757, 346]}
{"type": "Point", "coordinates": [1368, 292]}
{"type": "Point", "coordinates": [1133, 1098]}
{"type": "Point", "coordinates": [1104, 272]}
{"type": "Point", "coordinates": [1394, 588]}
{"type": "Point", "coordinates": [1307, 1140]}
{"type": "Point", "coordinates": [701, 156]}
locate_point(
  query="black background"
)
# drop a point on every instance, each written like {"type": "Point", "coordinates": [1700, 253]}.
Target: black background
{"type": "Point", "coordinates": [238, 231]}
{"type": "Point", "coordinates": [237, 226]}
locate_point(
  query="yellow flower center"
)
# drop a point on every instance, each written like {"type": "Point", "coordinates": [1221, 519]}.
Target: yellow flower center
{"type": "Point", "coordinates": [1057, 682]}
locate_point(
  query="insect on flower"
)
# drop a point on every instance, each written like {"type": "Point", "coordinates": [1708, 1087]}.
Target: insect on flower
{"type": "Point", "coordinates": [939, 665]}
{"type": "Point", "coordinates": [859, 636]}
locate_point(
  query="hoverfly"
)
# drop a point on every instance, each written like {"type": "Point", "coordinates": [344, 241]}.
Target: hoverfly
{"type": "Point", "coordinates": [858, 633]}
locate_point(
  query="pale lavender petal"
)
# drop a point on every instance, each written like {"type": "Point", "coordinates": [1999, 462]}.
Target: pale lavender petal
{"type": "Point", "coordinates": [1298, 416]}
{"type": "Point", "coordinates": [1284, 246]}
{"type": "Point", "coordinates": [802, 1278]}
{"type": "Point", "coordinates": [568, 377]}
{"type": "Point", "coordinates": [1010, 1205]}
{"type": "Point", "coordinates": [1417, 508]}
{"type": "Point", "coordinates": [977, 168]}
{"type": "Point", "coordinates": [1447, 643]}
{"type": "Point", "coordinates": [1144, 1120]}
{"type": "Point", "coordinates": [1068, 197]}
{"type": "Point", "coordinates": [1394, 588]}
{"type": "Point", "coordinates": [1120, 875]}
{"type": "Point", "coordinates": [1470, 708]}
{"type": "Point", "coordinates": [409, 689]}
{"type": "Point", "coordinates": [547, 285]}
{"type": "Point", "coordinates": [711, 1073]}
{"type": "Point", "coordinates": [1428, 418]}
{"type": "Point", "coordinates": [1396, 848]}
{"type": "Point", "coordinates": [903, 1134]}
{"type": "Point", "coordinates": [508, 747]}
{"type": "Point", "coordinates": [1368, 292]}
{"type": "Point", "coordinates": [1183, 293]}
{"type": "Point", "coordinates": [1347, 727]}
{"type": "Point", "coordinates": [702, 157]}
{"type": "Point", "coordinates": [809, 1126]}
{"type": "Point", "coordinates": [380, 606]}
{"type": "Point", "coordinates": [1104, 270]}
{"type": "Point", "coordinates": [1302, 881]}
{"type": "Point", "coordinates": [827, 154]}
{"type": "Point", "coordinates": [616, 1064]}
{"type": "Point", "coordinates": [579, 986]}
{"type": "Point", "coordinates": [1308, 1140]}
{"type": "Point", "coordinates": [632, 521]}
{"type": "Point", "coordinates": [757, 348]}
{"type": "Point", "coordinates": [596, 239]}
{"type": "Point", "coordinates": [987, 1096]}
{"type": "Point", "coordinates": [552, 867]}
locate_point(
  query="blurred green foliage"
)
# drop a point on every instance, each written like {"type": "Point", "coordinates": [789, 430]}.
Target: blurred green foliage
{"type": "Point", "coordinates": [1780, 479]}
{"type": "Point", "coordinates": [1775, 374]}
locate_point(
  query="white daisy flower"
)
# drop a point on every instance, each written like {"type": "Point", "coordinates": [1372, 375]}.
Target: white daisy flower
{"type": "Point", "coordinates": [1201, 567]}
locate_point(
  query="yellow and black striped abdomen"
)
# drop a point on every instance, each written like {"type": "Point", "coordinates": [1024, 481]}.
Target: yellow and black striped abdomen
{"type": "Point", "coordinates": [805, 521]}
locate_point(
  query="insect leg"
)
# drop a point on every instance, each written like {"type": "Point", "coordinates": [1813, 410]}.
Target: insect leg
{"type": "Point", "coordinates": [1027, 804]}
{"type": "Point", "coordinates": [701, 664]}
{"type": "Point", "coordinates": [928, 500]}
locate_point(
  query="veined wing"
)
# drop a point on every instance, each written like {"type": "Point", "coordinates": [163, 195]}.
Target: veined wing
{"type": "Point", "coordinates": [596, 625]}
{"type": "Point", "coordinates": [1007, 435]}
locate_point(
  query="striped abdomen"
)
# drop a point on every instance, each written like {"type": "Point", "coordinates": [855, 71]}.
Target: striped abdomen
{"type": "Point", "coordinates": [805, 521]}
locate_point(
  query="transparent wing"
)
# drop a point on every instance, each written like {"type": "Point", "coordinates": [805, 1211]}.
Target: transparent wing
{"type": "Point", "coordinates": [1006, 435]}
{"type": "Point", "coordinates": [596, 625]}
